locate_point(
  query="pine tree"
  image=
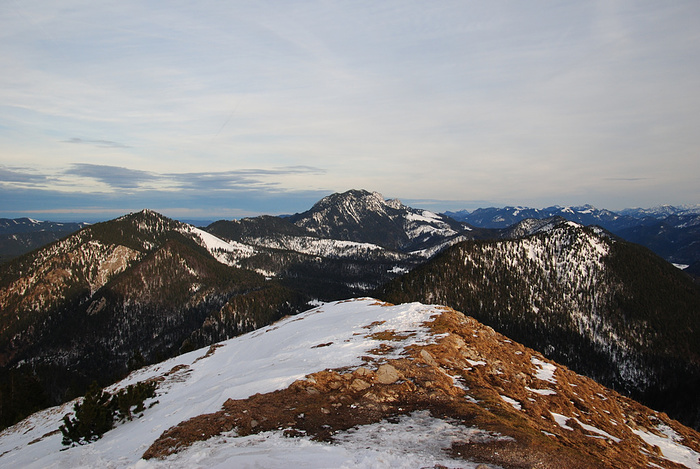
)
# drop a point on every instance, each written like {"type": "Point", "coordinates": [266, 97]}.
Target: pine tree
{"type": "Point", "coordinates": [93, 417]}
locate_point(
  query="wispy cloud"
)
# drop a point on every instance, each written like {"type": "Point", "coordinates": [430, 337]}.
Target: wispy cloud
{"type": "Point", "coordinates": [118, 178]}
{"type": "Point", "coordinates": [113, 176]}
{"type": "Point", "coordinates": [242, 179]}
{"type": "Point", "coordinates": [21, 176]}
{"type": "Point", "coordinates": [629, 179]}
{"type": "Point", "coordinates": [97, 143]}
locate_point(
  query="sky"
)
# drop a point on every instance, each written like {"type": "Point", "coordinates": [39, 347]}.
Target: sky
{"type": "Point", "coordinates": [213, 109]}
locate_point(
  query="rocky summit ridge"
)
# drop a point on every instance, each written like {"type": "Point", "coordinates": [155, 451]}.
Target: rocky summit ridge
{"type": "Point", "coordinates": [363, 383]}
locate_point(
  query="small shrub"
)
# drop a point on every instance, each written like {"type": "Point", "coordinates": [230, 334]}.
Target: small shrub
{"type": "Point", "coordinates": [98, 411]}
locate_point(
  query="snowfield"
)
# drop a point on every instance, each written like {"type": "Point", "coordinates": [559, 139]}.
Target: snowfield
{"type": "Point", "coordinates": [259, 362]}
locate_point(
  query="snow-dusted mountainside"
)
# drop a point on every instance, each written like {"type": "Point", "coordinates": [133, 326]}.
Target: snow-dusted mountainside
{"type": "Point", "coordinates": [671, 232]}
{"type": "Point", "coordinates": [493, 217]}
{"type": "Point", "coordinates": [346, 245]}
{"type": "Point", "coordinates": [662, 211]}
{"type": "Point", "coordinates": [349, 224]}
{"type": "Point", "coordinates": [532, 226]}
{"type": "Point", "coordinates": [363, 216]}
{"type": "Point", "coordinates": [607, 308]}
{"type": "Point", "coordinates": [143, 288]}
{"type": "Point", "coordinates": [365, 384]}
{"type": "Point", "coordinates": [117, 294]}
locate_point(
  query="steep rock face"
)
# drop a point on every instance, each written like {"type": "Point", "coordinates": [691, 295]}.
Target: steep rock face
{"type": "Point", "coordinates": [606, 308]}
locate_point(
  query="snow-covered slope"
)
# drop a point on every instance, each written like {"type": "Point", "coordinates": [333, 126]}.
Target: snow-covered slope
{"type": "Point", "coordinates": [226, 252]}
{"type": "Point", "coordinates": [259, 362]}
{"type": "Point", "coordinates": [431, 387]}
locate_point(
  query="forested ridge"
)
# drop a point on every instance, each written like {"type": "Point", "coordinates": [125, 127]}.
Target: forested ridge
{"type": "Point", "coordinates": [609, 309]}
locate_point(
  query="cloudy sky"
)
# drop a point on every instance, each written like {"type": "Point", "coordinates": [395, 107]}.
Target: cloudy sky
{"type": "Point", "coordinates": [225, 109]}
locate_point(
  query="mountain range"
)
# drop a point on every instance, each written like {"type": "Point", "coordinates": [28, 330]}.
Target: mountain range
{"type": "Point", "coordinates": [606, 308]}
{"type": "Point", "coordinates": [134, 291]}
{"type": "Point", "coordinates": [671, 232]}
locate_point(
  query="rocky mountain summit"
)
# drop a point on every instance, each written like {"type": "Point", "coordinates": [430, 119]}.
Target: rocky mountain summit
{"type": "Point", "coordinates": [363, 216]}
{"type": "Point", "coordinates": [363, 383]}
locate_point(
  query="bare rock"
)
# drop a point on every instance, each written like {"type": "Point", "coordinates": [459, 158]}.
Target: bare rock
{"type": "Point", "coordinates": [387, 374]}
{"type": "Point", "coordinates": [359, 385]}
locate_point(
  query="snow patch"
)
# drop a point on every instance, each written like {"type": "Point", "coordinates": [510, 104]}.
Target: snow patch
{"type": "Point", "coordinates": [670, 446]}
{"type": "Point", "coordinates": [415, 440]}
{"type": "Point", "coordinates": [542, 392]}
{"type": "Point", "coordinates": [562, 421]}
{"type": "Point", "coordinates": [545, 371]}
{"type": "Point", "coordinates": [226, 252]}
{"type": "Point", "coordinates": [516, 404]}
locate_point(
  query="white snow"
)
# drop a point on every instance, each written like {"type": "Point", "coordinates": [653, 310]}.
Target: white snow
{"type": "Point", "coordinates": [425, 216]}
{"type": "Point", "coordinates": [398, 270]}
{"type": "Point", "coordinates": [476, 362]}
{"type": "Point", "coordinates": [592, 429]}
{"type": "Point", "coordinates": [545, 370]}
{"type": "Point", "coordinates": [542, 392]}
{"type": "Point", "coordinates": [226, 252]}
{"type": "Point", "coordinates": [562, 421]}
{"type": "Point", "coordinates": [670, 446]}
{"type": "Point", "coordinates": [332, 248]}
{"type": "Point", "coordinates": [261, 361]}
{"type": "Point", "coordinates": [416, 440]}
{"type": "Point", "coordinates": [516, 404]}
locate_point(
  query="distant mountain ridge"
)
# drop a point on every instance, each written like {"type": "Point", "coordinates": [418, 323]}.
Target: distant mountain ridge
{"type": "Point", "coordinates": [501, 217]}
{"type": "Point", "coordinates": [670, 231]}
{"type": "Point", "coordinates": [667, 230]}
{"type": "Point", "coordinates": [20, 235]}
